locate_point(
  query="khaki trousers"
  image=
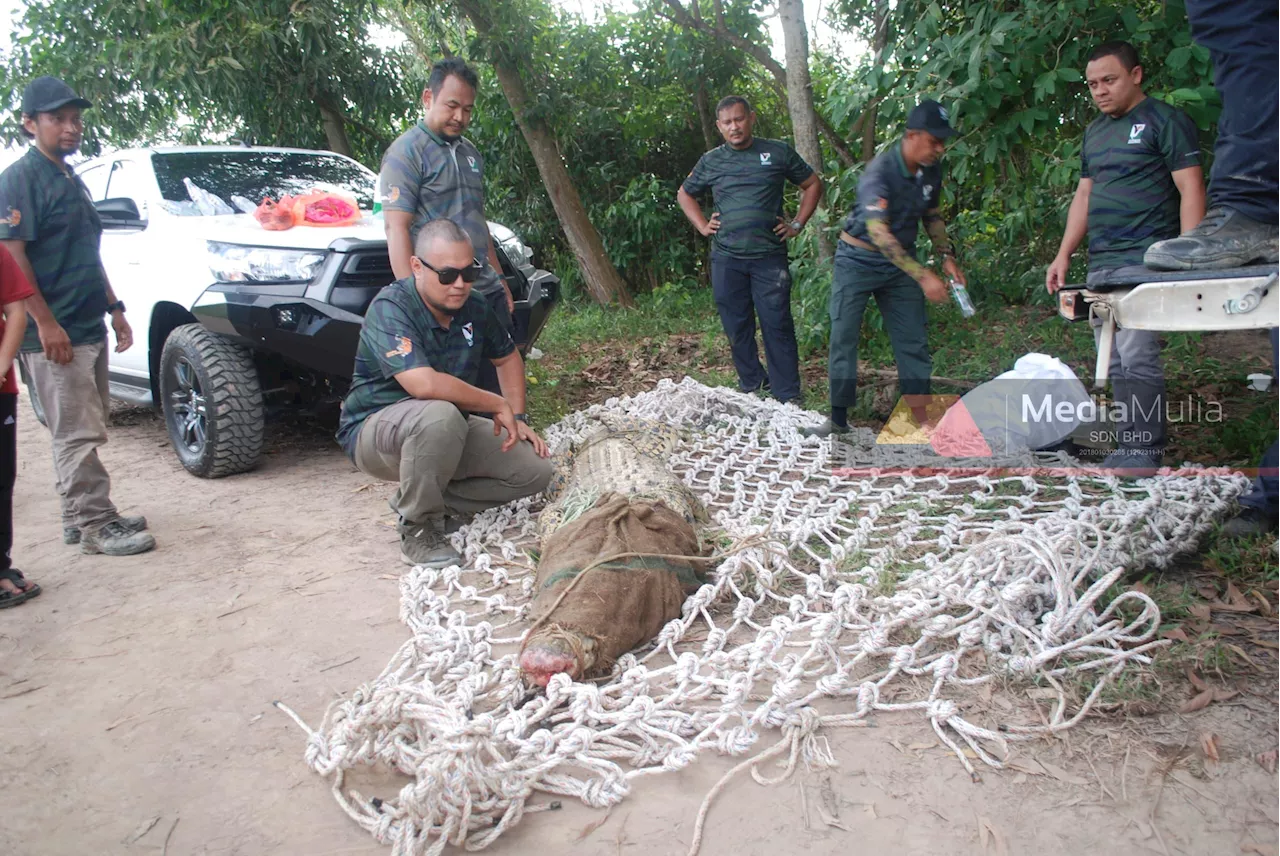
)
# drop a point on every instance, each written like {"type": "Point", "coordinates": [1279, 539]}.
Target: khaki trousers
{"type": "Point", "coordinates": [76, 403]}
{"type": "Point", "coordinates": [445, 463]}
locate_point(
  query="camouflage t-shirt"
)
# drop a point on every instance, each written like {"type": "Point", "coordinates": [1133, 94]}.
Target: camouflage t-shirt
{"type": "Point", "coordinates": [1134, 202]}
{"type": "Point", "coordinates": [746, 186]}
{"type": "Point", "coordinates": [400, 334]}
{"type": "Point", "coordinates": [50, 210]}
{"type": "Point", "coordinates": [887, 191]}
{"type": "Point", "coordinates": [432, 178]}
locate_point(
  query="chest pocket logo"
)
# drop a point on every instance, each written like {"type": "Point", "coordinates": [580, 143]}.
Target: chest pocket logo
{"type": "Point", "coordinates": [474, 166]}
{"type": "Point", "coordinates": [1135, 133]}
{"type": "Point", "coordinates": [926, 190]}
{"type": "Point", "coordinates": [765, 158]}
{"type": "Point", "coordinates": [468, 333]}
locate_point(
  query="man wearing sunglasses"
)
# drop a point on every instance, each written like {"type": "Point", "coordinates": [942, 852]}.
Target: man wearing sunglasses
{"type": "Point", "coordinates": [409, 415]}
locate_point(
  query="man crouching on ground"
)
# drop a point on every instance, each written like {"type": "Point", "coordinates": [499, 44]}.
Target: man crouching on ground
{"type": "Point", "coordinates": [407, 417]}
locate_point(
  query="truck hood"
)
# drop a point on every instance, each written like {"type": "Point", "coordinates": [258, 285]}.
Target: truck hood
{"type": "Point", "coordinates": [243, 229]}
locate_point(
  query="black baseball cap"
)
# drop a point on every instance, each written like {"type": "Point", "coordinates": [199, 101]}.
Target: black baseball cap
{"type": "Point", "coordinates": [931, 117]}
{"type": "Point", "coordinates": [46, 94]}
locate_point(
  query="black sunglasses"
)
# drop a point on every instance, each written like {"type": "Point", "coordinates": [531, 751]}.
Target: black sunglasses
{"type": "Point", "coordinates": [449, 274]}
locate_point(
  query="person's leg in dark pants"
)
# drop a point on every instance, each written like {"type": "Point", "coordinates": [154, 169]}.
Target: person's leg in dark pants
{"type": "Point", "coordinates": [1260, 507]}
{"type": "Point", "coordinates": [1241, 224]}
{"type": "Point", "coordinates": [488, 374]}
{"type": "Point", "coordinates": [771, 296]}
{"type": "Point", "coordinates": [852, 285]}
{"type": "Point", "coordinates": [731, 286]}
{"type": "Point", "coordinates": [13, 588]}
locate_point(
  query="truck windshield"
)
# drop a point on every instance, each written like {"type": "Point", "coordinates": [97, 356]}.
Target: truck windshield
{"type": "Point", "coordinates": [257, 174]}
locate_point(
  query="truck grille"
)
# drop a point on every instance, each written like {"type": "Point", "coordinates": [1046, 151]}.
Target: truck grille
{"type": "Point", "coordinates": [363, 275]}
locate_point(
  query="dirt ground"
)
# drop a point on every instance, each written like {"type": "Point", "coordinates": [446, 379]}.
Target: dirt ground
{"type": "Point", "coordinates": [136, 697]}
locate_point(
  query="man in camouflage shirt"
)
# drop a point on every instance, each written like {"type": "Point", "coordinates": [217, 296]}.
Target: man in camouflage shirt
{"type": "Point", "coordinates": [877, 257]}
{"type": "Point", "coordinates": [749, 273]}
{"type": "Point", "coordinates": [408, 416]}
{"type": "Point", "coordinates": [431, 171]}
{"type": "Point", "coordinates": [1140, 182]}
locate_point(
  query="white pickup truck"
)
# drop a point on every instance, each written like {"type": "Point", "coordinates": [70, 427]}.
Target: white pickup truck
{"type": "Point", "coordinates": [229, 317]}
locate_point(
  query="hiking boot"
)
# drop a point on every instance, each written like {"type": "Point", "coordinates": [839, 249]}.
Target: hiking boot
{"type": "Point", "coordinates": [1249, 522]}
{"type": "Point", "coordinates": [136, 523]}
{"type": "Point", "coordinates": [1224, 239]}
{"type": "Point", "coordinates": [426, 544]}
{"type": "Point", "coordinates": [826, 429]}
{"type": "Point", "coordinates": [1134, 463]}
{"type": "Point", "coordinates": [115, 539]}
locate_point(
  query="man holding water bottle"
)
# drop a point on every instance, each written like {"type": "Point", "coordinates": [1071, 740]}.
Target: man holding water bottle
{"type": "Point", "coordinates": [898, 190]}
{"type": "Point", "coordinates": [1140, 182]}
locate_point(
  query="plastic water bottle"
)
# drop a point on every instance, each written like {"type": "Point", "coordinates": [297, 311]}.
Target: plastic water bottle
{"type": "Point", "coordinates": [961, 294]}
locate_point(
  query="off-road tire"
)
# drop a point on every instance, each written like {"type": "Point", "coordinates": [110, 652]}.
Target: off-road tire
{"type": "Point", "coordinates": [226, 380]}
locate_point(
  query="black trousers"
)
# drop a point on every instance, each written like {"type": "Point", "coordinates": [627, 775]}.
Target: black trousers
{"type": "Point", "coordinates": [8, 472]}
{"type": "Point", "coordinates": [1241, 38]}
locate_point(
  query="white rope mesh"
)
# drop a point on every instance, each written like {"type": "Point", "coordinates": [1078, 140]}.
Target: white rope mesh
{"type": "Point", "coordinates": [880, 591]}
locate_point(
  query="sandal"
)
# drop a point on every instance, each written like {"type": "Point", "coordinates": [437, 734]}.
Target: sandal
{"type": "Point", "coordinates": [28, 590]}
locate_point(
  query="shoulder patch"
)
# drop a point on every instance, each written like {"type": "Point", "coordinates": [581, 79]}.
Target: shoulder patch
{"type": "Point", "coordinates": [402, 349]}
{"type": "Point", "coordinates": [14, 218]}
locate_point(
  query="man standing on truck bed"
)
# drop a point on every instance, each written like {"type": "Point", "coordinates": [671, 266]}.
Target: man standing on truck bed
{"type": "Point", "coordinates": [431, 171]}
{"type": "Point", "coordinates": [52, 230]}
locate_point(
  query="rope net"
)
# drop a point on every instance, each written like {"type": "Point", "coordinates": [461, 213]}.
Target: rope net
{"type": "Point", "coordinates": [848, 583]}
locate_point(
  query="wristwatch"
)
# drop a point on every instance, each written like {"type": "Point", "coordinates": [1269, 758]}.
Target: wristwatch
{"type": "Point", "coordinates": [796, 225]}
{"type": "Point", "coordinates": [522, 417]}
{"type": "Point", "coordinates": [119, 304]}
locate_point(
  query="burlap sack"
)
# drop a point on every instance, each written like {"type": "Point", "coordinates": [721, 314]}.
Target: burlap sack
{"type": "Point", "coordinates": [622, 603]}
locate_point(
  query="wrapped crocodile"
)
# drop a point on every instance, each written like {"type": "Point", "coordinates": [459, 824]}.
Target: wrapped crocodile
{"type": "Point", "coordinates": [620, 552]}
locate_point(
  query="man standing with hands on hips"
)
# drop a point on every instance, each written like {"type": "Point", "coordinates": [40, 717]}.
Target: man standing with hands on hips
{"type": "Point", "coordinates": [52, 230]}
{"type": "Point", "coordinates": [749, 273]}
{"type": "Point", "coordinates": [877, 256]}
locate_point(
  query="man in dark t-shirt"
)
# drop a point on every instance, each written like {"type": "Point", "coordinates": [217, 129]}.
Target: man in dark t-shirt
{"type": "Point", "coordinates": [747, 176]}
{"type": "Point", "coordinates": [898, 190]}
{"type": "Point", "coordinates": [1140, 182]}
{"type": "Point", "coordinates": [409, 414]}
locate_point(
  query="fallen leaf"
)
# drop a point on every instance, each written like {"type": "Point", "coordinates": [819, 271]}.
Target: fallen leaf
{"type": "Point", "coordinates": [1264, 605]}
{"type": "Point", "coordinates": [896, 745]}
{"type": "Point", "coordinates": [1259, 849]}
{"type": "Point", "coordinates": [1200, 611]}
{"type": "Point", "coordinates": [1237, 599]}
{"type": "Point", "coordinates": [1062, 775]}
{"type": "Point", "coordinates": [1042, 693]}
{"type": "Point", "coordinates": [1268, 760]}
{"type": "Point", "coordinates": [1265, 643]}
{"type": "Point", "coordinates": [1200, 702]}
{"type": "Point", "coordinates": [1224, 695]}
{"type": "Point", "coordinates": [1196, 680]}
{"type": "Point", "coordinates": [991, 838]}
{"type": "Point", "coordinates": [1027, 765]}
{"type": "Point", "coordinates": [1209, 746]}
{"type": "Point", "coordinates": [143, 829]}
{"type": "Point", "coordinates": [922, 746]}
{"type": "Point", "coordinates": [594, 825]}
{"type": "Point", "coordinates": [1175, 633]}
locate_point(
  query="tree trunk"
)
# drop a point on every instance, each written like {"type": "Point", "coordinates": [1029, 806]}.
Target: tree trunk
{"type": "Point", "coordinates": [879, 40]}
{"type": "Point", "coordinates": [601, 277]}
{"type": "Point", "coordinates": [705, 117]}
{"type": "Point", "coordinates": [804, 119]}
{"type": "Point", "coordinates": [681, 16]}
{"type": "Point", "coordinates": [335, 128]}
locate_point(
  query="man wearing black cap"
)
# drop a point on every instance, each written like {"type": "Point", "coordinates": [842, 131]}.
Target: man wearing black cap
{"type": "Point", "coordinates": [51, 228]}
{"type": "Point", "coordinates": [898, 189]}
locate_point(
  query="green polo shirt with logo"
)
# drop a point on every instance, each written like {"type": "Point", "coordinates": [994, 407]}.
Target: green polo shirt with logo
{"type": "Point", "coordinates": [434, 178]}
{"type": "Point", "coordinates": [400, 334]}
{"type": "Point", "coordinates": [746, 187]}
{"type": "Point", "coordinates": [48, 207]}
{"type": "Point", "coordinates": [1134, 201]}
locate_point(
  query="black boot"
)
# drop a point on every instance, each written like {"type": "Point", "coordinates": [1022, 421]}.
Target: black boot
{"type": "Point", "coordinates": [1224, 239]}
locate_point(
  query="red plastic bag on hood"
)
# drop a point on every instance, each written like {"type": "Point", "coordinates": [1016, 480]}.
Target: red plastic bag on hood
{"type": "Point", "coordinates": [275, 216]}
{"type": "Point", "coordinates": [325, 208]}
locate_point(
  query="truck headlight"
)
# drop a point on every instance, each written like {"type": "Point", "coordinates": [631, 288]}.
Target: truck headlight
{"type": "Point", "coordinates": [516, 250]}
{"type": "Point", "coordinates": [236, 263]}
